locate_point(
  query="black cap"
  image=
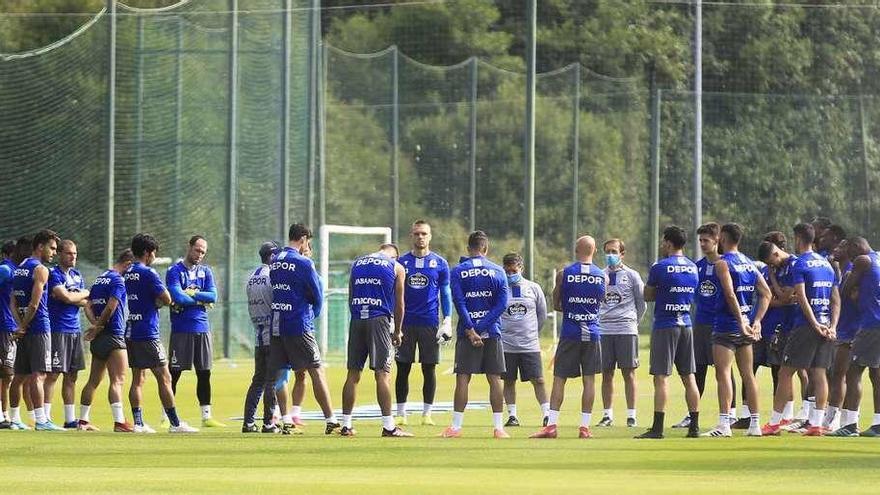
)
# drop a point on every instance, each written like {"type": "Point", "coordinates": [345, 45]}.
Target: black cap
{"type": "Point", "coordinates": [267, 249]}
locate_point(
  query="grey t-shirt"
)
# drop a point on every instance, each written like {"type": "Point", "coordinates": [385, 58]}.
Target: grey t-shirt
{"type": "Point", "coordinates": [525, 315]}
{"type": "Point", "coordinates": [259, 294]}
{"type": "Point", "coordinates": [624, 303]}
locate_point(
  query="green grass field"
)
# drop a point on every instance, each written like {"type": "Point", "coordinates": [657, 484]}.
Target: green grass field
{"type": "Point", "coordinates": [226, 461]}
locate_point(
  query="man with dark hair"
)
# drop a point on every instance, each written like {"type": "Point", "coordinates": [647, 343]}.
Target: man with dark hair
{"type": "Point", "coordinates": [34, 356]}
{"type": "Point", "coordinates": [427, 291]}
{"type": "Point", "coordinates": [8, 325]}
{"type": "Point", "coordinates": [672, 284]}
{"type": "Point", "coordinates": [619, 315]}
{"type": "Point", "coordinates": [521, 325]}
{"type": "Point", "coordinates": [67, 294]}
{"type": "Point", "coordinates": [820, 225]}
{"type": "Point", "coordinates": [146, 294]}
{"type": "Point", "coordinates": [810, 342]}
{"type": "Point", "coordinates": [579, 290]}
{"type": "Point", "coordinates": [376, 304]}
{"type": "Point", "coordinates": [479, 292]}
{"type": "Point", "coordinates": [863, 283]}
{"type": "Point", "coordinates": [737, 325]}
{"type": "Point", "coordinates": [847, 327]}
{"type": "Point", "coordinates": [192, 289]}
{"type": "Point", "coordinates": [106, 312]}
{"type": "Point", "coordinates": [297, 299]}
{"type": "Point", "coordinates": [830, 238]}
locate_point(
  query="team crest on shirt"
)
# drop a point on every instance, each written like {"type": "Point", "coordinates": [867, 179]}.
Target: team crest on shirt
{"type": "Point", "coordinates": [517, 311]}
{"type": "Point", "coordinates": [432, 264]}
{"type": "Point", "coordinates": [707, 289]}
{"type": "Point", "coordinates": [418, 281]}
{"type": "Point", "coordinates": [612, 298]}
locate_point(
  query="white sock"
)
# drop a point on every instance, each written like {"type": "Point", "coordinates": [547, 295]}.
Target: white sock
{"type": "Point", "coordinates": [295, 411]}
{"type": "Point", "coordinates": [2, 416]}
{"type": "Point", "coordinates": [586, 417]}
{"type": "Point", "coordinates": [346, 420]}
{"type": "Point", "coordinates": [206, 412]}
{"type": "Point", "coordinates": [69, 413]}
{"type": "Point", "coordinates": [724, 420]}
{"type": "Point", "coordinates": [497, 420]}
{"type": "Point", "coordinates": [545, 409]}
{"type": "Point", "coordinates": [817, 416]}
{"type": "Point", "coordinates": [631, 414]}
{"type": "Point", "coordinates": [116, 410]}
{"type": "Point", "coordinates": [788, 410]}
{"type": "Point", "coordinates": [47, 410]}
{"type": "Point", "coordinates": [553, 417]}
{"type": "Point", "coordinates": [39, 415]}
{"type": "Point", "coordinates": [511, 409]}
{"type": "Point", "coordinates": [287, 419]}
{"type": "Point", "coordinates": [332, 419]}
{"type": "Point", "coordinates": [830, 414]}
{"type": "Point", "coordinates": [84, 412]}
{"type": "Point", "coordinates": [876, 420]}
{"type": "Point", "coordinates": [388, 422]}
{"type": "Point", "coordinates": [401, 408]}
{"type": "Point", "coordinates": [32, 415]}
{"type": "Point", "coordinates": [277, 411]}
{"type": "Point", "coordinates": [775, 418]}
{"type": "Point", "coordinates": [426, 409]}
{"type": "Point", "coordinates": [855, 416]}
{"type": "Point", "coordinates": [809, 405]}
{"type": "Point", "coordinates": [15, 413]}
{"type": "Point", "coordinates": [608, 413]}
{"type": "Point", "coordinates": [744, 411]}
{"type": "Point", "coordinates": [457, 420]}
{"type": "Point", "coordinates": [845, 417]}
{"type": "Point", "coordinates": [754, 421]}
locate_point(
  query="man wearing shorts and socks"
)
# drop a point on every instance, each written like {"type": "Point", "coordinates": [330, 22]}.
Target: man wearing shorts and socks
{"type": "Point", "coordinates": [67, 294]}
{"type": "Point", "coordinates": [427, 290]}
{"type": "Point", "coordinates": [375, 300]}
{"type": "Point", "coordinates": [810, 344]}
{"type": "Point", "coordinates": [107, 311]}
{"type": "Point", "coordinates": [521, 324]}
{"type": "Point", "coordinates": [34, 354]}
{"type": "Point", "coordinates": [864, 283]}
{"type": "Point", "coordinates": [297, 299]}
{"type": "Point", "coordinates": [619, 317]}
{"type": "Point", "coordinates": [192, 289]}
{"type": "Point", "coordinates": [847, 327]}
{"type": "Point", "coordinates": [480, 293]}
{"type": "Point", "coordinates": [578, 294]}
{"type": "Point", "coordinates": [146, 294]}
{"type": "Point", "coordinates": [672, 284]}
{"type": "Point", "coordinates": [8, 324]}
{"type": "Point", "coordinates": [741, 306]}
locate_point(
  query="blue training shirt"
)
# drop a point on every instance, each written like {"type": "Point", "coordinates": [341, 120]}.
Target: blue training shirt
{"type": "Point", "coordinates": [297, 295]}
{"type": "Point", "coordinates": [7, 319]}
{"type": "Point", "coordinates": [850, 316]}
{"type": "Point", "coordinates": [814, 271]}
{"type": "Point", "coordinates": [110, 285]}
{"type": "Point", "coordinates": [479, 292]}
{"type": "Point", "coordinates": [372, 287]}
{"type": "Point", "coordinates": [23, 284]}
{"type": "Point", "coordinates": [744, 276]}
{"type": "Point", "coordinates": [189, 313]}
{"type": "Point", "coordinates": [675, 279]}
{"type": "Point", "coordinates": [425, 278]}
{"type": "Point", "coordinates": [143, 286]}
{"type": "Point", "coordinates": [581, 294]}
{"type": "Point", "coordinates": [707, 294]}
{"type": "Point", "coordinates": [64, 317]}
{"type": "Point", "coordinates": [869, 294]}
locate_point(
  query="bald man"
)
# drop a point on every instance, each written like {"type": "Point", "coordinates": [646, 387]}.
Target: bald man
{"type": "Point", "coordinates": [579, 291]}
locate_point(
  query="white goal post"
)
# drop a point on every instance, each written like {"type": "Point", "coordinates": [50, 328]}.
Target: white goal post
{"type": "Point", "coordinates": [324, 236]}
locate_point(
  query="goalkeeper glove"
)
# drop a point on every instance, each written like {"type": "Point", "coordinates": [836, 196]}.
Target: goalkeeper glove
{"type": "Point", "coordinates": [444, 332]}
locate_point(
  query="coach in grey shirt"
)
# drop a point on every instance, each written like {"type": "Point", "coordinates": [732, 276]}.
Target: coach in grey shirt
{"type": "Point", "coordinates": [619, 317]}
{"type": "Point", "coordinates": [521, 323]}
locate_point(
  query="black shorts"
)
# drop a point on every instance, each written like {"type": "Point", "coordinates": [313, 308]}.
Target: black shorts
{"type": "Point", "coordinates": [672, 346]}
{"type": "Point", "coordinates": [423, 338]}
{"type": "Point", "coordinates": [761, 353]}
{"type": "Point", "coordinates": [527, 364]}
{"type": "Point", "coordinates": [703, 345]}
{"type": "Point", "coordinates": [297, 352]}
{"type": "Point", "coordinates": [8, 346]}
{"type": "Point", "coordinates": [621, 351]}
{"type": "Point", "coordinates": [370, 339]}
{"type": "Point", "coordinates": [146, 354]}
{"type": "Point", "coordinates": [866, 348]}
{"type": "Point", "coordinates": [806, 349]}
{"type": "Point", "coordinates": [67, 352]}
{"type": "Point", "coordinates": [488, 359]}
{"type": "Point", "coordinates": [190, 350]}
{"type": "Point", "coordinates": [775, 348]}
{"type": "Point", "coordinates": [34, 354]}
{"type": "Point", "coordinates": [576, 358]}
{"type": "Point", "coordinates": [732, 341]}
{"type": "Point", "coordinates": [105, 343]}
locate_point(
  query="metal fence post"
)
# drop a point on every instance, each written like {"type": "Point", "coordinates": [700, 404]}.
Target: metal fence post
{"type": "Point", "coordinates": [139, 111]}
{"type": "Point", "coordinates": [231, 177]}
{"type": "Point", "coordinates": [111, 131]}
{"type": "Point", "coordinates": [529, 227]}
{"type": "Point", "coordinates": [656, 96]}
{"type": "Point", "coordinates": [475, 62]}
{"type": "Point", "coordinates": [576, 152]}
{"type": "Point", "coordinates": [395, 143]}
{"type": "Point", "coordinates": [286, 38]}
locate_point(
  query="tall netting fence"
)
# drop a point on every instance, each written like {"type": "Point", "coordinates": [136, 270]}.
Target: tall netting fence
{"type": "Point", "coordinates": [232, 119]}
